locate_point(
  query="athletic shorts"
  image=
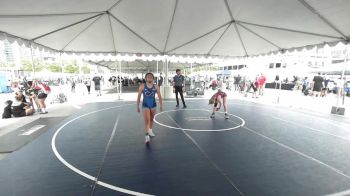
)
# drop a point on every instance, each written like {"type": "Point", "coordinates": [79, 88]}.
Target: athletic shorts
{"type": "Point", "coordinates": [317, 89]}
{"type": "Point", "coordinates": [148, 108]}
{"type": "Point", "coordinates": [20, 113]}
{"type": "Point", "coordinates": [97, 87]}
{"type": "Point", "coordinates": [42, 96]}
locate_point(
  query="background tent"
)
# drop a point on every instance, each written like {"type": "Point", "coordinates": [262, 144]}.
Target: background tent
{"type": "Point", "coordinates": [174, 27]}
{"type": "Point", "coordinates": [137, 65]}
{"type": "Point", "coordinates": [224, 72]}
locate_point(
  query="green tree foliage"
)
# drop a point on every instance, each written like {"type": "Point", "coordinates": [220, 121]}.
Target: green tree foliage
{"type": "Point", "coordinates": [70, 66]}
{"type": "Point", "coordinates": [85, 69]}
{"type": "Point", "coordinates": [54, 67]}
{"type": "Point", "coordinates": [27, 65]}
{"type": "Point", "coordinates": [71, 69]}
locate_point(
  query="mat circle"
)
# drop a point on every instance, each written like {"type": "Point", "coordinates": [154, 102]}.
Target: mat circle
{"type": "Point", "coordinates": [198, 130]}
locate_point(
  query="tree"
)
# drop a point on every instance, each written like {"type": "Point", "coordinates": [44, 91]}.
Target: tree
{"type": "Point", "coordinates": [27, 65]}
{"type": "Point", "coordinates": [54, 67]}
{"type": "Point", "coordinates": [70, 66]}
{"type": "Point", "coordinates": [71, 69]}
{"type": "Point", "coordinates": [85, 69]}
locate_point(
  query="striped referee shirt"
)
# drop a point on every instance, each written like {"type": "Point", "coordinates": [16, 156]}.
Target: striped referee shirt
{"type": "Point", "coordinates": [179, 80]}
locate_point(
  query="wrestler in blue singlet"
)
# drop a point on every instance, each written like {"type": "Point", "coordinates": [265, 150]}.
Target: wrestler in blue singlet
{"type": "Point", "coordinates": [149, 100]}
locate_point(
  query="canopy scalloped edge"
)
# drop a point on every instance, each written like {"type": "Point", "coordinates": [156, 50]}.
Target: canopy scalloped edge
{"type": "Point", "coordinates": [125, 56]}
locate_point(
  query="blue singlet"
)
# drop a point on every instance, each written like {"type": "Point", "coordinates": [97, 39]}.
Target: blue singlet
{"type": "Point", "coordinates": [149, 99]}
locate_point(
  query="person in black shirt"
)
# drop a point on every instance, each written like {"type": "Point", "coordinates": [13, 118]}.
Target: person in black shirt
{"type": "Point", "coordinates": [318, 85]}
{"type": "Point", "coordinates": [179, 86]}
{"type": "Point", "coordinates": [160, 80]}
{"type": "Point", "coordinates": [97, 80]}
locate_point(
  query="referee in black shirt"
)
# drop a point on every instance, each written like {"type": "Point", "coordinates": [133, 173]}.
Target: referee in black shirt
{"type": "Point", "coordinates": [179, 85]}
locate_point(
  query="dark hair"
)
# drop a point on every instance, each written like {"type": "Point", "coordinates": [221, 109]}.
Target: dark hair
{"type": "Point", "coordinates": [149, 73]}
{"type": "Point", "coordinates": [178, 70]}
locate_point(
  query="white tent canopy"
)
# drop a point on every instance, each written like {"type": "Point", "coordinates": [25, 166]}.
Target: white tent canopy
{"type": "Point", "coordinates": [222, 28]}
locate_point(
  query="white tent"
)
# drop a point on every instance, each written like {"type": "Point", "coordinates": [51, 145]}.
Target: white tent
{"type": "Point", "coordinates": [174, 27]}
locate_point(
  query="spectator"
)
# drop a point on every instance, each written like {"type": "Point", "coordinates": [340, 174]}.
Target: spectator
{"type": "Point", "coordinates": [32, 93]}
{"type": "Point", "coordinates": [88, 85]}
{"type": "Point", "coordinates": [318, 85]}
{"type": "Point", "coordinates": [73, 85]}
{"type": "Point", "coordinates": [261, 83]}
{"type": "Point", "coordinates": [305, 84]}
{"type": "Point", "coordinates": [160, 80]}
{"type": "Point", "coordinates": [8, 85]}
{"type": "Point", "coordinates": [277, 80]}
{"type": "Point", "coordinates": [97, 80]}
{"type": "Point", "coordinates": [237, 81]}
{"type": "Point", "coordinates": [42, 95]}
{"type": "Point", "coordinates": [20, 108]}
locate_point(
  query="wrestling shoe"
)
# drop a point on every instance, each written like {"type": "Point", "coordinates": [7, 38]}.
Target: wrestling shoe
{"type": "Point", "coordinates": [147, 139]}
{"type": "Point", "coordinates": [227, 116]}
{"type": "Point", "coordinates": [150, 133]}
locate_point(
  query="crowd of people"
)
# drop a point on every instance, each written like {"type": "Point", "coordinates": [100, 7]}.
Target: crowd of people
{"type": "Point", "coordinates": [35, 91]}
{"type": "Point", "coordinates": [30, 94]}
{"type": "Point", "coordinates": [321, 86]}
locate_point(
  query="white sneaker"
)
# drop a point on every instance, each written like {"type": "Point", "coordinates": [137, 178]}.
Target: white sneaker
{"type": "Point", "coordinates": [227, 116]}
{"type": "Point", "coordinates": [212, 115]}
{"type": "Point", "coordinates": [147, 139]}
{"type": "Point", "coordinates": [150, 133]}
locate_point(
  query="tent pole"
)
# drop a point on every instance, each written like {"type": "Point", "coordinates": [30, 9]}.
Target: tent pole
{"type": "Point", "coordinates": [316, 64]}
{"type": "Point", "coordinates": [120, 84]}
{"type": "Point", "coordinates": [342, 76]}
{"type": "Point", "coordinates": [157, 73]}
{"type": "Point", "coordinates": [280, 79]}
{"type": "Point", "coordinates": [166, 71]}
{"type": "Point", "coordinates": [62, 64]}
{"type": "Point", "coordinates": [116, 73]}
{"type": "Point", "coordinates": [33, 66]}
{"type": "Point", "coordinates": [191, 74]}
{"type": "Point", "coordinates": [164, 77]}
